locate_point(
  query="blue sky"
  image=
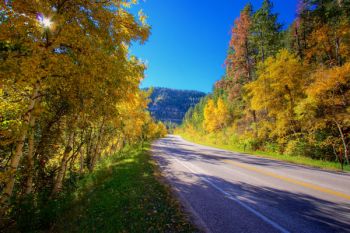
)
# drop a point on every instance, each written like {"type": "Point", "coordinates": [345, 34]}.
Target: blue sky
{"type": "Point", "coordinates": [189, 39]}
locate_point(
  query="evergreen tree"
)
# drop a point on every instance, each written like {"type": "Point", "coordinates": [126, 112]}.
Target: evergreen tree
{"type": "Point", "coordinates": [265, 33]}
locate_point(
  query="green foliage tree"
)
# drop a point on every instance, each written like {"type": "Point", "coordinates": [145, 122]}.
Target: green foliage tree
{"type": "Point", "coordinates": [265, 33]}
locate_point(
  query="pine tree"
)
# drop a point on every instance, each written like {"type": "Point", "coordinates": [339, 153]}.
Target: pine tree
{"type": "Point", "coordinates": [265, 32]}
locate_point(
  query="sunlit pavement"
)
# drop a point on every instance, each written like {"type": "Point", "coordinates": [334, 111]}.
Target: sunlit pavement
{"type": "Point", "coordinates": [233, 192]}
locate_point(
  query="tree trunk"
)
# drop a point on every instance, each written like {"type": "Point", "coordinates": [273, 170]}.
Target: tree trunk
{"type": "Point", "coordinates": [255, 123]}
{"type": "Point", "coordinates": [81, 168]}
{"type": "Point", "coordinates": [337, 48]}
{"type": "Point", "coordinates": [16, 157]}
{"type": "Point", "coordinates": [30, 161]}
{"type": "Point", "coordinates": [62, 171]}
{"type": "Point", "coordinates": [89, 148]}
{"type": "Point", "coordinates": [96, 154]}
{"type": "Point", "coordinates": [248, 65]}
{"type": "Point", "coordinates": [300, 50]}
{"type": "Point", "coordinates": [294, 123]}
{"type": "Point", "coordinates": [346, 156]}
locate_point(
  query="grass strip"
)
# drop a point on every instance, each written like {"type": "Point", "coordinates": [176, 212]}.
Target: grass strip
{"type": "Point", "coordinates": [124, 195]}
{"type": "Point", "coordinates": [301, 160]}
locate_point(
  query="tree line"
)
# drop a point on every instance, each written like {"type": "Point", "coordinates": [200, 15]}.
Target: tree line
{"type": "Point", "coordinates": [170, 105]}
{"type": "Point", "coordinates": [286, 91]}
{"type": "Point", "coordinates": [69, 93]}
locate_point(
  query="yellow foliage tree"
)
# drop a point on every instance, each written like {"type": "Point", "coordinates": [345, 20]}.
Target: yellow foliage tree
{"type": "Point", "coordinates": [276, 92]}
{"type": "Point", "coordinates": [69, 89]}
{"type": "Point", "coordinates": [330, 43]}
{"type": "Point", "coordinates": [209, 123]}
{"type": "Point", "coordinates": [221, 114]}
{"type": "Point", "coordinates": [327, 107]}
{"type": "Point", "coordinates": [215, 115]}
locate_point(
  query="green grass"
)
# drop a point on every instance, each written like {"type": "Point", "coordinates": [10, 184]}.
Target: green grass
{"type": "Point", "coordinates": [302, 160]}
{"type": "Point", "coordinates": [125, 194]}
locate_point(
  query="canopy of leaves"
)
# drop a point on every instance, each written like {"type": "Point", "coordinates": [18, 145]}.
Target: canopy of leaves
{"type": "Point", "coordinates": [69, 92]}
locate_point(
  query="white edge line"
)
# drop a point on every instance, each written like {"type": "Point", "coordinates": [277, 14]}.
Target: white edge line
{"type": "Point", "coordinates": [229, 196]}
{"type": "Point", "coordinates": [194, 216]}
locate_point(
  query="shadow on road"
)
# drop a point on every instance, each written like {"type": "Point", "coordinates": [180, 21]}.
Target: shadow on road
{"type": "Point", "coordinates": [303, 213]}
{"type": "Point", "coordinates": [298, 212]}
{"type": "Point", "coordinates": [212, 156]}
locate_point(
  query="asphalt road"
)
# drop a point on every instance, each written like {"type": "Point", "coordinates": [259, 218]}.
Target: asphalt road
{"type": "Point", "coordinates": [233, 192]}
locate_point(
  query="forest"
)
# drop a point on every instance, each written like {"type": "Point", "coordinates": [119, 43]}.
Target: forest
{"type": "Point", "coordinates": [69, 96]}
{"type": "Point", "coordinates": [170, 105]}
{"type": "Point", "coordinates": [286, 90]}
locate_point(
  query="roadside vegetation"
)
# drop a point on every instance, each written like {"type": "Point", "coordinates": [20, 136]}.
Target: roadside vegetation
{"type": "Point", "coordinates": [286, 93]}
{"type": "Point", "coordinates": [123, 194]}
{"type": "Point", "coordinates": [222, 141]}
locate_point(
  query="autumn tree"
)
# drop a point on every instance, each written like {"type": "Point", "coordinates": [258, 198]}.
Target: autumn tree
{"type": "Point", "coordinates": [320, 32]}
{"type": "Point", "coordinates": [326, 108]}
{"type": "Point", "coordinates": [292, 99]}
{"type": "Point", "coordinates": [221, 114]}
{"type": "Point", "coordinates": [239, 64]}
{"type": "Point", "coordinates": [216, 115]}
{"type": "Point", "coordinates": [69, 91]}
{"type": "Point", "coordinates": [279, 88]}
{"type": "Point", "coordinates": [210, 121]}
{"type": "Point", "coordinates": [238, 61]}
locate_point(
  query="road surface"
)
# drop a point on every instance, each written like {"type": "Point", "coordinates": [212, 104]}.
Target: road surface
{"type": "Point", "coordinates": [233, 192]}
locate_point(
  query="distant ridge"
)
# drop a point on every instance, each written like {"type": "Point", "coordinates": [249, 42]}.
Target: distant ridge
{"type": "Point", "coordinates": [171, 105]}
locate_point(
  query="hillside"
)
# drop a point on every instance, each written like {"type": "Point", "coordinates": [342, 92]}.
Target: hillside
{"type": "Point", "coordinates": [170, 105]}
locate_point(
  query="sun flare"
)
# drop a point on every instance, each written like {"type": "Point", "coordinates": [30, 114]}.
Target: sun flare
{"type": "Point", "coordinates": [45, 22]}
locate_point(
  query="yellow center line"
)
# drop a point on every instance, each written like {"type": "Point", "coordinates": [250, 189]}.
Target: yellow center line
{"type": "Point", "coordinates": [290, 180]}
